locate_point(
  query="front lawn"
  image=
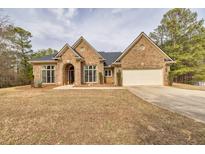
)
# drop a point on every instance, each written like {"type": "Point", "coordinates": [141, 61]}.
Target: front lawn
{"type": "Point", "coordinates": [46, 116]}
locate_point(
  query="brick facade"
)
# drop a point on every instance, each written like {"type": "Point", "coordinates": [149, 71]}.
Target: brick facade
{"type": "Point", "coordinates": [68, 58]}
{"type": "Point", "coordinates": [90, 57]}
{"type": "Point", "coordinates": [37, 70]}
{"type": "Point", "coordinates": [143, 54]}
{"type": "Point", "coordinates": [110, 79]}
{"type": "Point", "coordinates": [148, 58]}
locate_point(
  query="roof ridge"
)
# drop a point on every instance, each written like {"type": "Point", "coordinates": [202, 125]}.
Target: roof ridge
{"type": "Point", "coordinates": [110, 51]}
{"type": "Point", "coordinates": [79, 41]}
{"type": "Point", "coordinates": [67, 45]}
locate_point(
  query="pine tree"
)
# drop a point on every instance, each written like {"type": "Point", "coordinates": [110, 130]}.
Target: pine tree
{"type": "Point", "coordinates": [182, 37]}
{"type": "Point", "coordinates": [23, 44]}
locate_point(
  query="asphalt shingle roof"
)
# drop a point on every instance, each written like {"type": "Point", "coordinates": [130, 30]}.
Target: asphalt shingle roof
{"type": "Point", "coordinates": [109, 57]}
{"type": "Point", "coordinates": [44, 58]}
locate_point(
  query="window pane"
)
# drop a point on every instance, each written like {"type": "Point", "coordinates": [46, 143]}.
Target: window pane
{"type": "Point", "coordinates": [52, 76]}
{"type": "Point", "coordinates": [48, 76]}
{"type": "Point", "coordinates": [94, 67]}
{"type": "Point", "coordinates": [94, 76]}
{"type": "Point", "coordinates": [48, 67]}
{"type": "Point", "coordinates": [90, 67]}
{"type": "Point", "coordinates": [105, 72]}
{"type": "Point", "coordinates": [90, 76]}
{"type": "Point", "coordinates": [44, 76]}
{"type": "Point", "coordinates": [52, 67]}
{"type": "Point", "coordinates": [44, 67]}
{"type": "Point", "coordinates": [86, 75]}
{"type": "Point", "coordinates": [109, 72]}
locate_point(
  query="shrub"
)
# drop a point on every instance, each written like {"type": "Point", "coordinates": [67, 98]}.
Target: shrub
{"type": "Point", "coordinates": [32, 81]}
{"type": "Point", "coordinates": [170, 78]}
{"type": "Point", "coordinates": [100, 77]}
{"type": "Point", "coordinates": [38, 84]}
{"type": "Point", "coordinates": [119, 78]}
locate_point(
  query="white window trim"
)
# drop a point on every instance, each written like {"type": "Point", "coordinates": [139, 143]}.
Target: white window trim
{"type": "Point", "coordinates": [96, 76]}
{"type": "Point", "coordinates": [108, 73]}
{"type": "Point", "coordinates": [42, 68]}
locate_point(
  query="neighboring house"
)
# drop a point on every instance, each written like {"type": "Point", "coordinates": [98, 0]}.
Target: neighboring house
{"type": "Point", "coordinates": [141, 63]}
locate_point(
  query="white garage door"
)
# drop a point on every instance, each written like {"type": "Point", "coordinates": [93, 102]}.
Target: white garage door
{"type": "Point", "coordinates": [142, 77]}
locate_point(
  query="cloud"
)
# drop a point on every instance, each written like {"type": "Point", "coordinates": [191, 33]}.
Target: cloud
{"type": "Point", "coordinates": [105, 29]}
{"type": "Point", "coordinates": [71, 13]}
{"type": "Point", "coordinates": [119, 10]}
{"type": "Point", "coordinates": [63, 14]}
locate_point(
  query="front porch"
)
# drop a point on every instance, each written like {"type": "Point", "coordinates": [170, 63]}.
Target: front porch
{"type": "Point", "coordinates": [86, 75]}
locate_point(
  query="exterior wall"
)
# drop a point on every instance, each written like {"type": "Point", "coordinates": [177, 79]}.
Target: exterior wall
{"type": "Point", "coordinates": [166, 70]}
{"type": "Point", "coordinates": [91, 58]}
{"type": "Point", "coordinates": [116, 69]}
{"type": "Point", "coordinates": [66, 58]}
{"type": "Point", "coordinates": [110, 79]}
{"type": "Point", "coordinates": [149, 58]}
{"type": "Point", "coordinates": [143, 59]}
{"type": "Point", "coordinates": [37, 71]}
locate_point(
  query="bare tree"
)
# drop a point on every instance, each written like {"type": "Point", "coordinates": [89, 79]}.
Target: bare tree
{"type": "Point", "coordinates": [8, 68]}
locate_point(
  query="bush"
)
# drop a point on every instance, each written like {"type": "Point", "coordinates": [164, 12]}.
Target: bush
{"type": "Point", "coordinates": [119, 78]}
{"type": "Point", "coordinates": [38, 84]}
{"type": "Point", "coordinates": [32, 81]}
{"type": "Point", "coordinates": [170, 78]}
{"type": "Point", "coordinates": [100, 77]}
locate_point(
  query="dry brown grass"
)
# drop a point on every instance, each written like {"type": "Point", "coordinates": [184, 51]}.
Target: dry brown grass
{"type": "Point", "coordinates": [188, 86]}
{"type": "Point", "coordinates": [45, 116]}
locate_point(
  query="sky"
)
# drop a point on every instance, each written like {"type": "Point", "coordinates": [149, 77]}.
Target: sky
{"type": "Point", "coordinates": [109, 30]}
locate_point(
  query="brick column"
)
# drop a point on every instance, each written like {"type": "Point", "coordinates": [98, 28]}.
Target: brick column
{"type": "Point", "coordinates": [77, 69]}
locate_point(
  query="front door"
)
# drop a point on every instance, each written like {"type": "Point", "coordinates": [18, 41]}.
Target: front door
{"type": "Point", "coordinates": [71, 76]}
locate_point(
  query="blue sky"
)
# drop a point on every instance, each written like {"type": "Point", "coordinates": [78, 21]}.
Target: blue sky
{"type": "Point", "coordinates": [106, 29]}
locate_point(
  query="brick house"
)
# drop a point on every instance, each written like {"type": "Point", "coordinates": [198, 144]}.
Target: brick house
{"type": "Point", "coordinates": [141, 63]}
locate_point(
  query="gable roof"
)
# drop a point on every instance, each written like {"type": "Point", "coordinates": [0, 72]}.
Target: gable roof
{"type": "Point", "coordinates": [83, 39]}
{"type": "Point", "coordinates": [110, 57]}
{"type": "Point", "coordinates": [136, 40]}
{"type": "Point", "coordinates": [64, 49]}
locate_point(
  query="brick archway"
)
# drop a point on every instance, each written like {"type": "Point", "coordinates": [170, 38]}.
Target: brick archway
{"type": "Point", "coordinates": [69, 74]}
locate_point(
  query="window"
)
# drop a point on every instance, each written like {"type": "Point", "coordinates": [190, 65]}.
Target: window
{"type": "Point", "coordinates": [90, 73]}
{"type": "Point", "coordinates": [48, 74]}
{"type": "Point", "coordinates": [108, 73]}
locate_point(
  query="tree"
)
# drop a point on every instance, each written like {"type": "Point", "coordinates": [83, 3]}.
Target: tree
{"type": "Point", "coordinates": [44, 52]}
{"type": "Point", "coordinates": [15, 51]}
{"type": "Point", "coordinates": [23, 46]}
{"type": "Point", "coordinates": [8, 74]}
{"type": "Point", "coordinates": [182, 37]}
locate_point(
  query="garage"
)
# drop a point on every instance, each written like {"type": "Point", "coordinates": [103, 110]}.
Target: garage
{"type": "Point", "coordinates": [142, 77]}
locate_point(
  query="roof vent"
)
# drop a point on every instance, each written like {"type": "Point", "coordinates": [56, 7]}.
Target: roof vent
{"type": "Point", "coordinates": [141, 47]}
{"type": "Point", "coordinates": [82, 49]}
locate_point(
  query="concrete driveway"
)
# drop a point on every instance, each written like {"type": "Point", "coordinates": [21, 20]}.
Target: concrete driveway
{"type": "Point", "coordinates": [190, 103]}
